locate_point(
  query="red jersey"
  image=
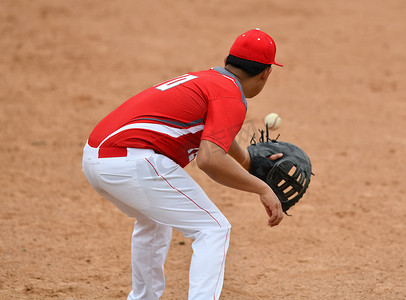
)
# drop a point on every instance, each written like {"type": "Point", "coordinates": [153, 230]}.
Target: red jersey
{"type": "Point", "coordinates": [172, 117]}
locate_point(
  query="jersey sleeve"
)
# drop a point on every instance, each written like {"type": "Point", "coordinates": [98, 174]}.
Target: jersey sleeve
{"type": "Point", "coordinates": [224, 120]}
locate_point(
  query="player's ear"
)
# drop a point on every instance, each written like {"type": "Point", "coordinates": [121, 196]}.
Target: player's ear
{"type": "Point", "coordinates": [267, 72]}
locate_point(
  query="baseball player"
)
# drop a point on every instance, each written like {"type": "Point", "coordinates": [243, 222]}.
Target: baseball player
{"type": "Point", "coordinates": [135, 157]}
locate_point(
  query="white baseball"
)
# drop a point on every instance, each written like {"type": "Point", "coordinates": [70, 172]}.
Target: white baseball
{"type": "Point", "coordinates": [273, 121]}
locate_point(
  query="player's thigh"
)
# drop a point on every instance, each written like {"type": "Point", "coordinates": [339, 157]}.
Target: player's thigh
{"type": "Point", "coordinates": [176, 199]}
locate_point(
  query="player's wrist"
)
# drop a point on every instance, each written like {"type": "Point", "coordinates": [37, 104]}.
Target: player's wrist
{"type": "Point", "coordinates": [263, 189]}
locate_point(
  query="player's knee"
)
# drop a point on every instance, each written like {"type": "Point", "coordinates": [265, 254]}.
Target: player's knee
{"type": "Point", "coordinates": [218, 233]}
{"type": "Point", "coordinates": [217, 239]}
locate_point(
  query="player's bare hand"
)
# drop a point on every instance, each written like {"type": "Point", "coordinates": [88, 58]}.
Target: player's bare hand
{"type": "Point", "coordinates": [272, 206]}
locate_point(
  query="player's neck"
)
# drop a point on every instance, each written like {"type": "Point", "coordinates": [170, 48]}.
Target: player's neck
{"type": "Point", "coordinates": [251, 85]}
{"type": "Point", "coordinates": [240, 74]}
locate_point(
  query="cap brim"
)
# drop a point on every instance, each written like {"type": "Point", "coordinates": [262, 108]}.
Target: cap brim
{"type": "Point", "coordinates": [275, 63]}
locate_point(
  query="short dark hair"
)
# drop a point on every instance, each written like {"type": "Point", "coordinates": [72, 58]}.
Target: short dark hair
{"type": "Point", "coordinates": [251, 67]}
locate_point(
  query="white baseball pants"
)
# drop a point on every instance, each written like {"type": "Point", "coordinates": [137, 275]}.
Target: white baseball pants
{"type": "Point", "coordinates": [161, 195]}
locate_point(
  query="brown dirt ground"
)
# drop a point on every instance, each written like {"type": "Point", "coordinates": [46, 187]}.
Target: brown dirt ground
{"type": "Point", "coordinates": [66, 64]}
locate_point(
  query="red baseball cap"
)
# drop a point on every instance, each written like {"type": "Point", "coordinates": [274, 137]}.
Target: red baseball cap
{"type": "Point", "coordinates": [255, 45]}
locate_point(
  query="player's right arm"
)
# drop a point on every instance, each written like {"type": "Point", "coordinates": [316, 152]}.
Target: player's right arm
{"type": "Point", "coordinates": [242, 156]}
{"type": "Point", "coordinates": [222, 168]}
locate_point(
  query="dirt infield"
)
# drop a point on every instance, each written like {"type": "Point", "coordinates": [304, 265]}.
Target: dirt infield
{"type": "Point", "coordinates": [65, 64]}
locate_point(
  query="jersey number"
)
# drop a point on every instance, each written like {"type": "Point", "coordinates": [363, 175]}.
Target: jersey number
{"type": "Point", "coordinates": [175, 82]}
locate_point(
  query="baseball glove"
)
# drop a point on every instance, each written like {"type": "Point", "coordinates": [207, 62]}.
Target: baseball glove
{"type": "Point", "coordinates": [288, 176]}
